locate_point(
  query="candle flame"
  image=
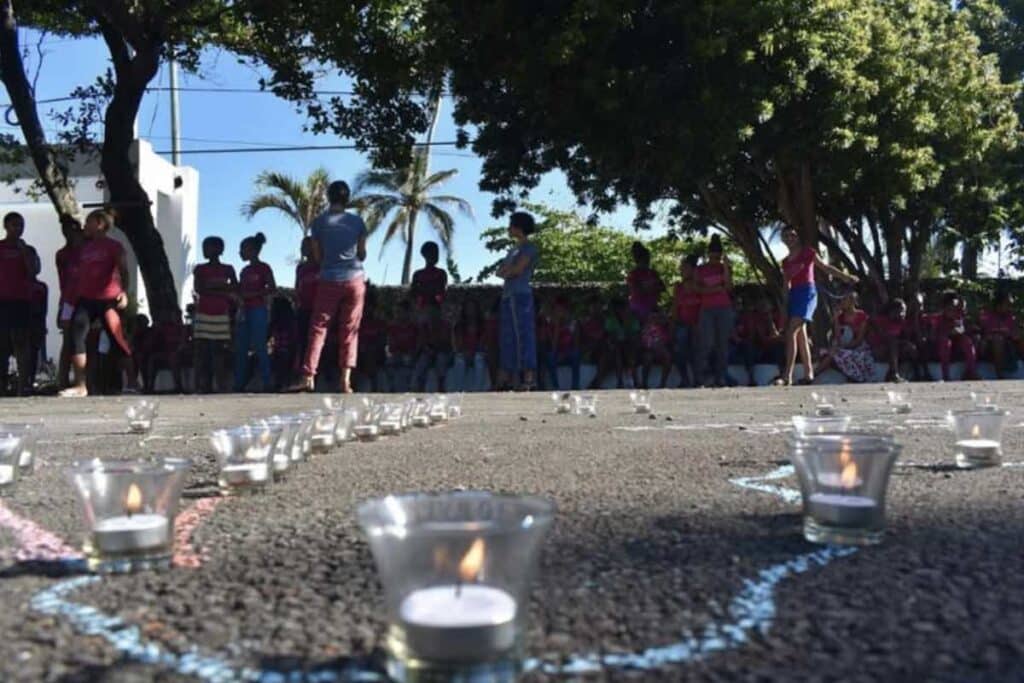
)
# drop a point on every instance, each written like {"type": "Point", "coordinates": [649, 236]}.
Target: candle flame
{"type": "Point", "coordinates": [844, 455]}
{"type": "Point", "coordinates": [133, 501]}
{"type": "Point", "coordinates": [975, 432]}
{"type": "Point", "coordinates": [473, 561]}
{"type": "Point", "coordinates": [848, 477]}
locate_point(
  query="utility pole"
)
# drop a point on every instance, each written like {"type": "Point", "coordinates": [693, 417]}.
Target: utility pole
{"type": "Point", "coordinates": [175, 117]}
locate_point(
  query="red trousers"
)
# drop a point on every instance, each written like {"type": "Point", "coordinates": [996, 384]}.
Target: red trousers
{"type": "Point", "coordinates": [340, 303]}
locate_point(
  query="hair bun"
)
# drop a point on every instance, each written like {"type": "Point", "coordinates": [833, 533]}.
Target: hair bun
{"type": "Point", "coordinates": [260, 238]}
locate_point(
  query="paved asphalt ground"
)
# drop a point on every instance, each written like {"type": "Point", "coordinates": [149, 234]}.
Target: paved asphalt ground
{"type": "Point", "coordinates": [658, 566]}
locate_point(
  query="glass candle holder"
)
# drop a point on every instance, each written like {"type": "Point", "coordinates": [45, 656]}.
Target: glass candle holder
{"type": "Point", "coordinates": [129, 509]}
{"type": "Point", "coordinates": [455, 406]}
{"type": "Point", "coordinates": [456, 571]}
{"type": "Point", "coordinates": [325, 423]}
{"type": "Point", "coordinates": [983, 401]}
{"type": "Point", "coordinates": [28, 436]}
{"type": "Point", "coordinates": [979, 436]}
{"type": "Point", "coordinates": [824, 404]}
{"type": "Point", "coordinates": [369, 428]}
{"type": "Point", "coordinates": [806, 424]}
{"type": "Point", "coordinates": [391, 418]}
{"type": "Point", "coordinates": [438, 409]}
{"type": "Point", "coordinates": [421, 413]}
{"type": "Point", "coordinates": [141, 415]}
{"type": "Point", "coordinates": [10, 455]}
{"type": "Point", "coordinates": [641, 401]}
{"type": "Point", "coordinates": [563, 402]}
{"type": "Point", "coordinates": [843, 481]}
{"type": "Point", "coordinates": [899, 402]}
{"type": "Point", "coordinates": [245, 466]}
{"type": "Point", "coordinates": [586, 405]}
{"type": "Point", "coordinates": [344, 424]}
{"type": "Point", "coordinates": [269, 436]}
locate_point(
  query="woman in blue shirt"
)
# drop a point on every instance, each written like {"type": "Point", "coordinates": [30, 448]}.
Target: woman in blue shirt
{"type": "Point", "coordinates": [518, 338]}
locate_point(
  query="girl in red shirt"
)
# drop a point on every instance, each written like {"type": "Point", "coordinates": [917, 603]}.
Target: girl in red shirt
{"type": "Point", "coordinates": [889, 337]}
{"type": "Point", "coordinates": [686, 321]}
{"type": "Point", "coordinates": [999, 334]}
{"type": "Point", "coordinates": [468, 338]}
{"type": "Point", "coordinates": [798, 271]}
{"type": "Point", "coordinates": [644, 284]}
{"type": "Point", "coordinates": [100, 291]}
{"type": "Point", "coordinates": [215, 286]}
{"type": "Point", "coordinates": [717, 317]}
{"type": "Point", "coordinates": [429, 283]}
{"type": "Point", "coordinates": [850, 353]}
{"type": "Point", "coordinates": [67, 264]}
{"type": "Point", "coordinates": [256, 283]}
{"type": "Point", "coordinates": [307, 275]}
{"type": "Point", "coordinates": [951, 335]}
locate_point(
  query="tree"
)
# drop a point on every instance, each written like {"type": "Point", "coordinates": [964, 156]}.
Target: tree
{"type": "Point", "coordinates": [868, 126]}
{"type": "Point", "coordinates": [301, 201]}
{"type": "Point", "coordinates": [406, 193]}
{"type": "Point", "coordinates": [572, 250]}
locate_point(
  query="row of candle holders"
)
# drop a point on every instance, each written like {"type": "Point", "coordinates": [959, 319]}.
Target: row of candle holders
{"type": "Point", "coordinates": [844, 473]}
{"type": "Point", "coordinates": [567, 403]}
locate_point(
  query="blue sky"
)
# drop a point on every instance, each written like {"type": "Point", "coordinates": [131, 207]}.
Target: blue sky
{"type": "Point", "coordinates": [237, 120]}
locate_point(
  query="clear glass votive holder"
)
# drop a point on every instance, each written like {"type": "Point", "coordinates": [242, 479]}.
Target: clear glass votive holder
{"type": "Point", "coordinates": [10, 455]}
{"type": "Point", "coordinates": [824, 404]}
{"type": "Point", "coordinates": [28, 437]}
{"type": "Point", "coordinates": [129, 509]}
{"type": "Point", "coordinates": [456, 571]}
{"type": "Point", "coordinates": [141, 415]}
{"type": "Point", "coordinates": [391, 418]}
{"type": "Point", "coordinates": [983, 401]}
{"type": "Point", "coordinates": [455, 406]}
{"type": "Point", "coordinates": [269, 435]}
{"type": "Point", "coordinates": [438, 410]}
{"type": "Point", "coordinates": [899, 402]}
{"type": "Point", "coordinates": [812, 424]}
{"type": "Point", "coordinates": [843, 482]}
{"type": "Point", "coordinates": [245, 466]}
{"type": "Point", "coordinates": [344, 424]}
{"type": "Point", "coordinates": [325, 424]}
{"type": "Point", "coordinates": [564, 402]}
{"type": "Point", "coordinates": [979, 436]}
{"type": "Point", "coordinates": [369, 428]}
{"type": "Point", "coordinates": [421, 413]}
{"type": "Point", "coordinates": [586, 405]}
{"type": "Point", "coordinates": [641, 401]}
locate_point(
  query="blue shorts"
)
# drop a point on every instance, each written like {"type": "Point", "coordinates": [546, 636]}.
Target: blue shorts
{"type": "Point", "coordinates": [803, 299]}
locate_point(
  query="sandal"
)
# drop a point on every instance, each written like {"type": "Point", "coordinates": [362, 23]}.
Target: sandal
{"type": "Point", "coordinates": [779, 382]}
{"type": "Point", "coordinates": [805, 382]}
{"type": "Point", "coordinates": [303, 385]}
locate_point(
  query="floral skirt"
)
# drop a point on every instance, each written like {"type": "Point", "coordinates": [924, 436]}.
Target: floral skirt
{"type": "Point", "coordinates": [857, 364]}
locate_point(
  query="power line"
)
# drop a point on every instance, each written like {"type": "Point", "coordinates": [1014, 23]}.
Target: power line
{"type": "Point", "coordinates": [296, 148]}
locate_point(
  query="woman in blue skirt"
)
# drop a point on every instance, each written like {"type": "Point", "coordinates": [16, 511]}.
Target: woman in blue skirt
{"type": "Point", "coordinates": [518, 332]}
{"type": "Point", "coordinates": [798, 270]}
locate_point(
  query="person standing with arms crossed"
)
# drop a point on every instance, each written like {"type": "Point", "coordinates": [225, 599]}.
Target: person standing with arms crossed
{"type": "Point", "coordinates": [518, 330]}
{"type": "Point", "coordinates": [339, 246]}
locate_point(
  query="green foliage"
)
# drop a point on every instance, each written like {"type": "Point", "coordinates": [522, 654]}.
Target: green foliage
{"type": "Point", "coordinates": [573, 251]}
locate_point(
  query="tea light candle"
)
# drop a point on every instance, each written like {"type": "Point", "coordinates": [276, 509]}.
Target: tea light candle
{"type": "Point", "coordinates": [390, 427]}
{"type": "Point", "coordinates": [825, 410]}
{"type": "Point", "coordinates": [322, 442]}
{"type": "Point", "coordinates": [140, 426]}
{"type": "Point", "coordinates": [835, 480]}
{"type": "Point", "coordinates": [837, 509]}
{"type": "Point", "coordinates": [245, 474]}
{"type": "Point", "coordinates": [281, 463]}
{"type": "Point", "coordinates": [454, 412]}
{"type": "Point", "coordinates": [127, 533]}
{"type": "Point", "coordinates": [452, 622]}
{"type": "Point", "coordinates": [438, 415]}
{"type": "Point", "coordinates": [6, 475]}
{"type": "Point", "coordinates": [420, 421]}
{"type": "Point", "coordinates": [979, 449]}
{"type": "Point", "coordinates": [366, 432]}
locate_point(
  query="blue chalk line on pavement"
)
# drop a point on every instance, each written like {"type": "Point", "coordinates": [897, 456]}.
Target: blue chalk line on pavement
{"type": "Point", "coordinates": [751, 611]}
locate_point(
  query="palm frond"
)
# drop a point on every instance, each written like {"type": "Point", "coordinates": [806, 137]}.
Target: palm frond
{"type": "Point", "coordinates": [397, 224]}
{"type": "Point", "coordinates": [270, 201]}
{"type": "Point", "coordinates": [374, 209]}
{"type": "Point", "coordinates": [390, 180]}
{"type": "Point", "coordinates": [460, 204]}
{"type": "Point", "coordinates": [442, 222]}
{"type": "Point", "coordinates": [439, 178]}
{"type": "Point", "coordinates": [285, 184]}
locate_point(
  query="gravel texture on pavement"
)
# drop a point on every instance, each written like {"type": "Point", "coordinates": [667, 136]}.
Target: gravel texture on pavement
{"type": "Point", "coordinates": [653, 545]}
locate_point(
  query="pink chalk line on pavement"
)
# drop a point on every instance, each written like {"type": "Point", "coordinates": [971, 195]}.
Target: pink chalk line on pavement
{"type": "Point", "coordinates": [36, 544]}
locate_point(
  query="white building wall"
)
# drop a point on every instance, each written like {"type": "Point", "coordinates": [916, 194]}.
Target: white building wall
{"type": "Point", "coordinates": [175, 211]}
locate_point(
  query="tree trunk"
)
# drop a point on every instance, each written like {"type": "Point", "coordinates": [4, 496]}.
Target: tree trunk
{"type": "Point", "coordinates": [127, 196]}
{"type": "Point", "coordinates": [410, 242]}
{"type": "Point", "coordinates": [969, 261]}
{"type": "Point", "coordinates": [12, 72]}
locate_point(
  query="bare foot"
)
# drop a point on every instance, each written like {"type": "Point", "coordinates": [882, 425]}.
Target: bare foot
{"type": "Point", "coordinates": [74, 392]}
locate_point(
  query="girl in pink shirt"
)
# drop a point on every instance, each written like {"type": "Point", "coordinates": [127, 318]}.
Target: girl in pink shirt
{"type": "Point", "coordinates": [717, 317]}
{"type": "Point", "coordinates": [850, 353]}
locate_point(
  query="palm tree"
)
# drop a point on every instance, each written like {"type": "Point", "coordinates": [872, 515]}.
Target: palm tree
{"type": "Point", "coordinates": [300, 200]}
{"type": "Point", "coordinates": [404, 194]}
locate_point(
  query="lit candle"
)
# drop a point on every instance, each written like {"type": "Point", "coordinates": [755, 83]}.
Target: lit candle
{"type": "Point", "coordinates": [979, 449]}
{"type": "Point", "coordinates": [390, 427]}
{"type": "Point", "coordinates": [420, 421]}
{"type": "Point", "coordinates": [322, 443]}
{"type": "Point", "coordinates": [242, 475]}
{"type": "Point", "coordinates": [837, 509]}
{"type": "Point", "coordinates": [131, 532]}
{"type": "Point", "coordinates": [457, 621]}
